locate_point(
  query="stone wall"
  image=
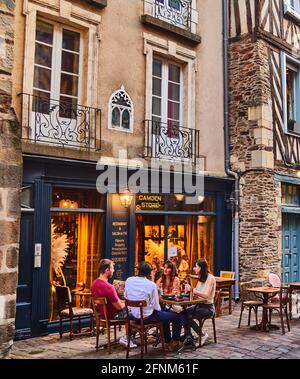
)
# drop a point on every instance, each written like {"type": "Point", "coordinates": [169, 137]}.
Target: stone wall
{"type": "Point", "coordinates": [251, 144]}
{"type": "Point", "coordinates": [10, 182]}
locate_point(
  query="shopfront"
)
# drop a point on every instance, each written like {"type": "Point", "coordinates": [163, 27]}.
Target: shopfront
{"type": "Point", "coordinates": [67, 227]}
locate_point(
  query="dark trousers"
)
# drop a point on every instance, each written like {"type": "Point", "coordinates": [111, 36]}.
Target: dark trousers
{"type": "Point", "coordinates": [197, 311]}
{"type": "Point", "coordinates": [166, 318]}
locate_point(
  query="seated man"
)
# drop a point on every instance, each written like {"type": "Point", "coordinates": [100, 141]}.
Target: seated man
{"type": "Point", "coordinates": [102, 288]}
{"type": "Point", "coordinates": [142, 288]}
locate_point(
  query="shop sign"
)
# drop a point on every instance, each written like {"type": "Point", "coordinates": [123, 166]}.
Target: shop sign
{"type": "Point", "coordinates": [149, 202]}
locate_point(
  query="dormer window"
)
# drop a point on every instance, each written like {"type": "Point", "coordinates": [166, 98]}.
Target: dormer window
{"type": "Point", "coordinates": [120, 111]}
{"type": "Point", "coordinates": [292, 8]}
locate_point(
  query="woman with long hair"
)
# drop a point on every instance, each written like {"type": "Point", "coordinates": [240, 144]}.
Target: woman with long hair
{"type": "Point", "coordinates": [169, 282]}
{"type": "Point", "coordinates": [204, 290]}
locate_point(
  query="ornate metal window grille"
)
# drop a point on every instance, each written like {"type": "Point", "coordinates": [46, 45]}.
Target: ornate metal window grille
{"type": "Point", "coordinates": [120, 111]}
{"type": "Point", "coordinates": [176, 12]}
{"type": "Point", "coordinates": [171, 142]}
{"type": "Point", "coordinates": [60, 123]}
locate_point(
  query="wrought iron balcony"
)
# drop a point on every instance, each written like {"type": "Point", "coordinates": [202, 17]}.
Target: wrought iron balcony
{"type": "Point", "coordinates": [60, 123]}
{"type": "Point", "coordinates": [175, 12]}
{"type": "Point", "coordinates": [171, 142]}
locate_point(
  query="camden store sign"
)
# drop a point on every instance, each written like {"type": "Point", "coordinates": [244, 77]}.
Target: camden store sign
{"type": "Point", "coordinates": [149, 203]}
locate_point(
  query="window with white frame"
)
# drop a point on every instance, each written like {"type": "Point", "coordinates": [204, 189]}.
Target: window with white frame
{"type": "Point", "coordinates": [120, 111]}
{"type": "Point", "coordinates": [292, 8]}
{"type": "Point", "coordinates": [290, 68]}
{"type": "Point", "coordinates": [166, 93]}
{"type": "Point", "coordinates": [57, 67]}
{"type": "Point", "coordinates": [177, 12]}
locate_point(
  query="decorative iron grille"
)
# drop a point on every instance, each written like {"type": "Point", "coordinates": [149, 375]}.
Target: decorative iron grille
{"type": "Point", "coordinates": [61, 123]}
{"type": "Point", "coordinates": [176, 12]}
{"type": "Point", "coordinates": [171, 141]}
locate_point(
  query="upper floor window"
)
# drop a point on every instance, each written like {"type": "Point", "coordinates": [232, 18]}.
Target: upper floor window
{"type": "Point", "coordinates": [57, 67]}
{"type": "Point", "coordinates": [177, 12]}
{"type": "Point", "coordinates": [292, 8]}
{"type": "Point", "coordinates": [290, 194]}
{"type": "Point", "coordinates": [120, 111]}
{"type": "Point", "coordinates": [291, 93]}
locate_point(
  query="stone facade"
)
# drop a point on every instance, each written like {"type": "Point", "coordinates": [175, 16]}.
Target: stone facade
{"type": "Point", "coordinates": [10, 182]}
{"type": "Point", "coordinates": [251, 143]}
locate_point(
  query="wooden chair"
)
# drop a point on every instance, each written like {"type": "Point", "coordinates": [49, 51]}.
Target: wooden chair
{"type": "Point", "coordinates": [281, 307]}
{"type": "Point", "coordinates": [224, 291]}
{"type": "Point", "coordinates": [134, 326]}
{"type": "Point", "coordinates": [212, 318]}
{"type": "Point", "coordinates": [105, 322]}
{"type": "Point", "coordinates": [248, 301]}
{"type": "Point", "coordinates": [67, 311]}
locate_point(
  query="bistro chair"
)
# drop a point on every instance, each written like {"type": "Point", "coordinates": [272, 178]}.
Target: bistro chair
{"type": "Point", "coordinates": [274, 281]}
{"type": "Point", "coordinates": [67, 311]}
{"type": "Point", "coordinates": [281, 307]}
{"type": "Point", "coordinates": [212, 318]}
{"type": "Point", "coordinates": [225, 291]}
{"type": "Point", "coordinates": [248, 301]}
{"type": "Point", "coordinates": [138, 326]}
{"type": "Point", "coordinates": [104, 322]}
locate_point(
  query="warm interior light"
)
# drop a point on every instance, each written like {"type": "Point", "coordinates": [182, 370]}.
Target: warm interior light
{"type": "Point", "coordinates": [126, 199]}
{"type": "Point", "coordinates": [298, 174]}
{"type": "Point", "coordinates": [66, 203]}
{"type": "Point", "coordinates": [179, 197]}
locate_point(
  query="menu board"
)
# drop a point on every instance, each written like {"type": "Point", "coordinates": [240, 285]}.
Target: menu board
{"type": "Point", "coordinates": [119, 248]}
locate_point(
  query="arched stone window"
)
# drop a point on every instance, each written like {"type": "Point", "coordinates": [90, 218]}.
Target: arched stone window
{"type": "Point", "coordinates": [120, 111]}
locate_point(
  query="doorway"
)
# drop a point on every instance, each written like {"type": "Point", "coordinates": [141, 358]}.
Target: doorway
{"type": "Point", "coordinates": [290, 247]}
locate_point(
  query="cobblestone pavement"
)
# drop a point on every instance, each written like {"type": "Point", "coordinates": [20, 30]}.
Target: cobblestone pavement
{"type": "Point", "coordinates": [233, 343]}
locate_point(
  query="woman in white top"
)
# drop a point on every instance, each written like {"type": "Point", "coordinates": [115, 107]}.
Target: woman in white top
{"type": "Point", "coordinates": [205, 290]}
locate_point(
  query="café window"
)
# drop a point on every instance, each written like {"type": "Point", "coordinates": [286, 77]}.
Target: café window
{"type": "Point", "coordinates": [76, 238]}
{"type": "Point", "coordinates": [290, 194]}
{"type": "Point", "coordinates": [172, 234]}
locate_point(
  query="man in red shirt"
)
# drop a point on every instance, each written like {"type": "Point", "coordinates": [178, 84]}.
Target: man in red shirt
{"type": "Point", "coordinates": [102, 288]}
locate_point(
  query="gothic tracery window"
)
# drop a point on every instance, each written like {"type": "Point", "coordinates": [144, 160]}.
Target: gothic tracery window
{"type": "Point", "coordinates": [121, 111]}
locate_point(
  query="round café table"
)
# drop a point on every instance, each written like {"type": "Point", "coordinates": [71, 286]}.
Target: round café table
{"type": "Point", "coordinates": [189, 341]}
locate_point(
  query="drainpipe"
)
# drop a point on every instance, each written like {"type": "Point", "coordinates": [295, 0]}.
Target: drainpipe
{"type": "Point", "coordinates": [229, 172]}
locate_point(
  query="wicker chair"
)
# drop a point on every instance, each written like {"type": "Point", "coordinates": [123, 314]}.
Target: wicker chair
{"type": "Point", "coordinates": [248, 301]}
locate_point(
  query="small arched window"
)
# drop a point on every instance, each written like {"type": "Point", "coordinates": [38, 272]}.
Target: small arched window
{"type": "Point", "coordinates": [120, 111]}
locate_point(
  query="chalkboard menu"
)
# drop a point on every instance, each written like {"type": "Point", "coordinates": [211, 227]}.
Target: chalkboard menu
{"type": "Point", "coordinates": [119, 248]}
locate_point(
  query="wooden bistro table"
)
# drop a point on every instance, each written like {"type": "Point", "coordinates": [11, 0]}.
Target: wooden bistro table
{"type": "Point", "coordinates": [189, 341]}
{"type": "Point", "coordinates": [265, 293]}
{"type": "Point", "coordinates": [292, 287]}
{"type": "Point", "coordinates": [222, 283]}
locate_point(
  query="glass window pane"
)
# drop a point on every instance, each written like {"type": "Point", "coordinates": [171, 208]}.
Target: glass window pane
{"type": "Point", "coordinates": [157, 68]}
{"type": "Point", "coordinates": [70, 62]}
{"type": "Point", "coordinates": [126, 120]}
{"type": "Point", "coordinates": [173, 110]}
{"type": "Point", "coordinates": [175, 4]}
{"type": "Point", "coordinates": [69, 85]}
{"type": "Point", "coordinates": [41, 102]}
{"type": "Point", "coordinates": [116, 116]}
{"type": "Point", "coordinates": [43, 55]}
{"type": "Point", "coordinates": [42, 78]}
{"type": "Point", "coordinates": [156, 106]}
{"type": "Point", "coordinates": [156, 87]}
{"type": "Point", "coordinates": [44, 32]}
{"type": "Point", "coordinates": [68, 107]}
{"type": "Point", "coordinates": [174, 73]}
{"type": "Point", "coordinates": [71, 40]}
{"type": "Point", "coordinates": [174, 92]}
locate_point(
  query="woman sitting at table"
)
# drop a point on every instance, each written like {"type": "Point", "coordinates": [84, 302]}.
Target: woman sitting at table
{"type": "Point", "coordinates": [169, 282]}
{"type": "Point", "coordinates": [204, 290]}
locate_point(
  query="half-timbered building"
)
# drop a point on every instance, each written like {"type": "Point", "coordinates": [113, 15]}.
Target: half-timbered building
{"type": "Point", "coordinates": [264, 112]}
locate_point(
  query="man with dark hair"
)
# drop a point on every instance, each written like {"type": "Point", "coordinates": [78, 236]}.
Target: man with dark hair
{"type": "Point", "coordinates": [102, 288]}
{"type": "Point", "coordinates": [142, 288]}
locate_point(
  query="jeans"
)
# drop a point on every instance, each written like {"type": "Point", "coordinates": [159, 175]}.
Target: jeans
{"type": "Point", "coordinates": [166, 318]}
{"type": "Point", "coordinates": [203, 311]}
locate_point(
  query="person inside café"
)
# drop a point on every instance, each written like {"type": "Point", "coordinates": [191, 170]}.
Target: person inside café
{"type": "Point", "coordinates": [204, 290]}
{"type": "Point", "coordinates": [169, 282]}
{"type": "Point", "coordinates": [115, 306]}
{"type": "Point", "coordinates": [141, 287]}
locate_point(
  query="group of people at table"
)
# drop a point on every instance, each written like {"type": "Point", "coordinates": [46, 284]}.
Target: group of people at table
{"type": "Point", "coordinates": [143, 287]}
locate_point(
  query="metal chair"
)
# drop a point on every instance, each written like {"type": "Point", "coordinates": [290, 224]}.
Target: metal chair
{"type": "Point", "coordinates": [102, 320]}
{"type": "Point", "coordinates": [67, 311]}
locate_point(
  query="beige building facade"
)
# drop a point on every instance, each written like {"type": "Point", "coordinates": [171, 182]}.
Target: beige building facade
{"type": "Point", "coordinates": [111, 80]}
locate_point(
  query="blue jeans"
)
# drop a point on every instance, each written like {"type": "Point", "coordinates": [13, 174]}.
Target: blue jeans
{"type": "Point", "coordinates": [166, 318]}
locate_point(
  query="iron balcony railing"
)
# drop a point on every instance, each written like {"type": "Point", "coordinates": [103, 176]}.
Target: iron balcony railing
{"type": "Point", "coordinates": [175, 12]}
{"type": "Point", "coordinates": [171, 142]}
{"type": "Point", "coordinates": [60, 123]}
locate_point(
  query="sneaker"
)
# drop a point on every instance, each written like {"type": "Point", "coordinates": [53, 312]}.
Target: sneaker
{"type": "Point", "coordinates": [124, 341]}
{"type": "Point", "coordinates": [204, 338]}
